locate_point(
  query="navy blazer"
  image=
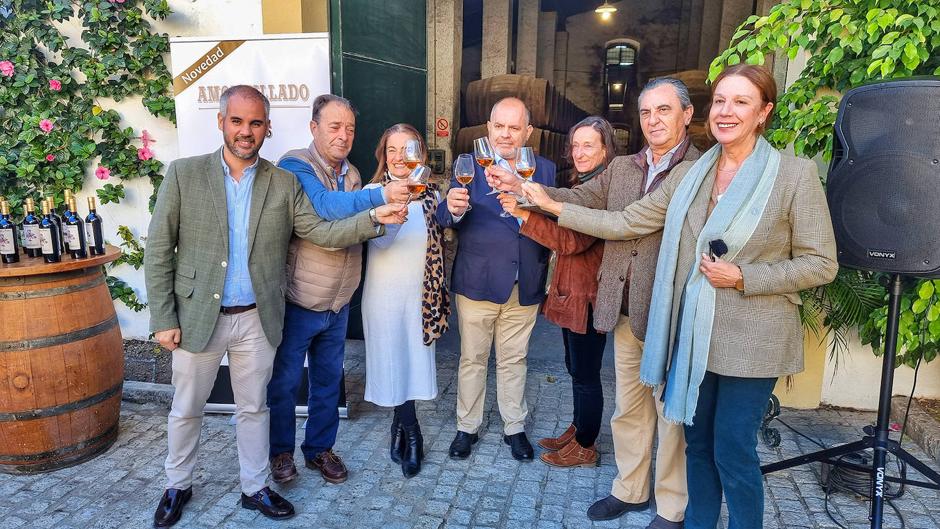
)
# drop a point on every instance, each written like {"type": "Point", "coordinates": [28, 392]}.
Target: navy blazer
{"type": "Point", "coordinates": [490, 250]}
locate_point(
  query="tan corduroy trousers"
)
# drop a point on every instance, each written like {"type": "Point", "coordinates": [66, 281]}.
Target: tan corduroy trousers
{"type": "Point", "coordinates": [637, 417]}
{"type": "Point", "coordinates": [509, 325]}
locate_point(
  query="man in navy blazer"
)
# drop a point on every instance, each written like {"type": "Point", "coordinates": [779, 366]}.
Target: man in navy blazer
{"type": "Point", "coordinates": [499, 282]}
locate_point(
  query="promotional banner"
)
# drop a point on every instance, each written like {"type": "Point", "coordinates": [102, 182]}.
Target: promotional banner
{"type": "Point", "coordinates": [290, 70]}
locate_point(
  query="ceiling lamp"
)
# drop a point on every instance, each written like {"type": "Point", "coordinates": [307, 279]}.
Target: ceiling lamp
{"type": "Point", "coordinates": [605, 10]}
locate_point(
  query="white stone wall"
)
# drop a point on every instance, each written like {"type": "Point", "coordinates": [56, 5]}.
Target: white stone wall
{"type": "Point", "coordinates": [855, 381]}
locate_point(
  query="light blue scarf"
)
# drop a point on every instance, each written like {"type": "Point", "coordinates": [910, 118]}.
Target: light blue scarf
{"type": "Point", "coordinates": [733, 220]}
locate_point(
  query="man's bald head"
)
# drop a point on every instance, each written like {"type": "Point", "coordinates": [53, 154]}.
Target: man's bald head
{"type": "Point", "coordinates": [508, 127]}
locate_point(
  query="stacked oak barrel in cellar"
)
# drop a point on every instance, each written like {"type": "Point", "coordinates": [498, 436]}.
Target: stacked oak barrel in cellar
{"type": "Point", "coordinates": [552, 113]}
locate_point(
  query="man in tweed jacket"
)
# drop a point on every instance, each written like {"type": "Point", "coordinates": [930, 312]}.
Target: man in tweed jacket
{"type": "Point", "coordinates": [215, 274]}
{"type": "Point", "coordinates": [625, 284]}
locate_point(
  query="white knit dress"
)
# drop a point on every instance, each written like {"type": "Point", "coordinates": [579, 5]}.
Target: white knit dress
{"type": "Point", "coordinates": [399, 366]}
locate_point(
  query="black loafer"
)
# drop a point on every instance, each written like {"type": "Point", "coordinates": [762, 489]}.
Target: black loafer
{"type": "Point", "coordinates": [460, 447]}
{"type": "Point", "coordinates": [269, 503]}
{"type": "Point", "coordinates": [170, 508]}
{"type": "Point", "coordinates": [520, 446]}
{"type": "Point", "coordinates": [610, 508]}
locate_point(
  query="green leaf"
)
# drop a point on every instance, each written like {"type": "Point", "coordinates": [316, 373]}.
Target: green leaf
{"type": "Point", "coordinates": [919, 306]}
{"type": "Point", "coordinates": [926, 290]}
{"type": "Point", "coordinates": [733, 59]}
{"type": "Point", "coordinates": [933, 313]}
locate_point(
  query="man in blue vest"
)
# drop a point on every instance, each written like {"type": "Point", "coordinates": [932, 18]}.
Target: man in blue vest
{"type": "Point", "coordinates": [499, 282]}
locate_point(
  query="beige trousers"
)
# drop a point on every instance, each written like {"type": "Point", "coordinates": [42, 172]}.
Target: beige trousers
{"type": "Point", "coordinates": [510, 325]}
{"type": "Point", "coordinates": [638, 414]}
{"type": "Point", "coordinates": [251, 359]}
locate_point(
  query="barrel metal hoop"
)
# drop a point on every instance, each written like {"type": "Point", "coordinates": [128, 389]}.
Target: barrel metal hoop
{"type": "Point", "coordinates": [59, 339]}
{"type": "Point", "coordinates": [55, 291]}
{"type": "Point", "coordinates": [110, 433]}
{"type": "Point", "coordinates": [47, 278]}
{"type": "Point", "coordinates": [53, 411]}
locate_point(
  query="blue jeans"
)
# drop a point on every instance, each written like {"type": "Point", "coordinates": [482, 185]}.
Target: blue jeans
{"type": "Point", "coordinates": [721, 452]}
{"type": "Point", "coordinates": [321, 338]}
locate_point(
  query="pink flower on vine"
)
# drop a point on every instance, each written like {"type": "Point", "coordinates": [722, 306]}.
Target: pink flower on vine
{"type": "Point", "coordinates": [46, 126]}
{"type": "Point", "coordinates": [144, 154]}
{"type": "Point", "coordinates": [50, 157]}
{"type": "Point", "coordinates": [102, 173]}
{"type": "Point", "coordinates": [116, 1]}
{"type": "Point", "coordinates": [55, 85]}
{"type": "Point", "coordinates": [146, 138]}
{"type": "Point", "coordinates": [6, 68]}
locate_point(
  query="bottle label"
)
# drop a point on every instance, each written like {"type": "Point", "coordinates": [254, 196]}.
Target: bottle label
{"type": "Point", "coordinates": [6, 241]}
{"type": "Point", "coordinates": [90, 235]}
{"type": "Point", "coordinates": [31, 236]}
{"type": "Point", "coordinates": [72, 238]}
{"type": "Point", "coordinates": [45, 240]}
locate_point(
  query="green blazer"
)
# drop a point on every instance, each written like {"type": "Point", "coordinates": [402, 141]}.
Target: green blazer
{"type": "Point", "coordinates": [187, 245]}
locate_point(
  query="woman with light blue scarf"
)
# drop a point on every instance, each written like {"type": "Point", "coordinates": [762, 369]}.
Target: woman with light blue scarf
{"type": "Point", "coordinates": [745, 228]}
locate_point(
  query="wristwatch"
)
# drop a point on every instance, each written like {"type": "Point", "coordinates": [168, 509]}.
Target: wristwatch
{"type": "Point", "coordinates": [373, 217]}
{"type": "Point", "coordinates": [739, 284]}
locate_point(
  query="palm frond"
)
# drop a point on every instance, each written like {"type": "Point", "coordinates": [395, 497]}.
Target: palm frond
{"type": "Point", "coordinates": [841, 306]}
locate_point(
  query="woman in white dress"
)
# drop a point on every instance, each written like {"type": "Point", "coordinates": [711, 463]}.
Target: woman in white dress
{"type": "Point", "coordinates": [405, 304]}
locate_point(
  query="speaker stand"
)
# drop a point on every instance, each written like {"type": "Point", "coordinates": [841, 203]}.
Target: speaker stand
{"type": "Point", "coordinates": [876, 439]}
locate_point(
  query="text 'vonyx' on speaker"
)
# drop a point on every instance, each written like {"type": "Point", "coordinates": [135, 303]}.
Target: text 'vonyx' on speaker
{"type": "Point", "coordinates": [884, 180]}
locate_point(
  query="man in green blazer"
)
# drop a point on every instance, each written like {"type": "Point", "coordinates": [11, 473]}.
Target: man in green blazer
{"type": "Point", "coordinates": [215, 274]}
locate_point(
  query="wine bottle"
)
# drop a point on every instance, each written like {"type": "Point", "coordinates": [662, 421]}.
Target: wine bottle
{"type": "Point", "coordinates": [9, 244]}
{"type": "Point", "coordinates": [58, 222]}
{"type": "Point", "coordinates": [49, 236]}
{"type": "Point", "coordinates": [75, 229]}
{"type": "Point", "coordinates": [66, 213]}
{"type": "Point", "coordinates": [31, 242]}
{"type": "Point", "coordinates": [93, 230]}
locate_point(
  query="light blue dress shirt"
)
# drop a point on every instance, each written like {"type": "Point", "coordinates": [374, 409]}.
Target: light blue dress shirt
{"type": "Point", "coordinates": [654, 169]}
{"type": "Point", "coordinates": [237, 290]}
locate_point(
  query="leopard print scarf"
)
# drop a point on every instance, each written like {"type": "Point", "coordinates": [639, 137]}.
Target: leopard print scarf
{"type": "Point", "coordinates": [435, 300]}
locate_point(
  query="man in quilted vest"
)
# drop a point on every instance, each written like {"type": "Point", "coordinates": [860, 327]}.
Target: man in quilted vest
{"type": "Point", "coordinates": [320, 284]}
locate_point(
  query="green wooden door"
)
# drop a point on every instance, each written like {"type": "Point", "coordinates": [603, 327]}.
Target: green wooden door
{"type": "Point", "coordinates": [379, 55]}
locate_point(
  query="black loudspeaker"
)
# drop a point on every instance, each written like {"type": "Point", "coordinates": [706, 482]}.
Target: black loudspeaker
{"type": "Point", "coordinates": [884, 180]}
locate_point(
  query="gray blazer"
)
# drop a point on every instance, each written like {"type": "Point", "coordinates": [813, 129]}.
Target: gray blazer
{"type": "Point", "coordinates": [187, 245]}
{"type": "Point", "coordinates": [625, 264]}
{"type": "Point", "coordinates": [756, 333]}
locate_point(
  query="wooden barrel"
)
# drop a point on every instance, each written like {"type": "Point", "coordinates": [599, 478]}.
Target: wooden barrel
{"type": "Point", "coordinates": [482, 94]}
{"type": "Point", "coordinates": [550, 110]}
{"type": "Point", "coordinates": [61, 363]}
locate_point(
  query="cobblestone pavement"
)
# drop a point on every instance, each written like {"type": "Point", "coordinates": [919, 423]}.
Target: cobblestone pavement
{"type": "Point", "coordinates": [489, 490]}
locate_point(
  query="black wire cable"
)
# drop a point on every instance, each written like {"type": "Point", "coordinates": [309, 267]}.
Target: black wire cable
{"type": "Point", "coordinates": [840, 479]}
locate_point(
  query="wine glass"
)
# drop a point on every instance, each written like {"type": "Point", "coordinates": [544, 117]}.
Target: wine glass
{"type": "Point", "coordinates": [412, 154]}
{"type": "Point", "coordinates": [525, 163]}
{"type": "Point", "coordinates": [417, 182]}
{"type": "Point", "coordinates": [483, 152]}
{"type": "Point", "coordinates": [463, 172]}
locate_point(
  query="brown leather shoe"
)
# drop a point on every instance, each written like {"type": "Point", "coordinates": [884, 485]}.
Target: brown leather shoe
{"type": "Point", "coordinates": [329, 465]}
{"type": "Point", "coordinates": [282, 468]}
{"type": "Point", "coordinates": [556, 443]}
{"type": "Point", "coordinates": [571, 455]}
